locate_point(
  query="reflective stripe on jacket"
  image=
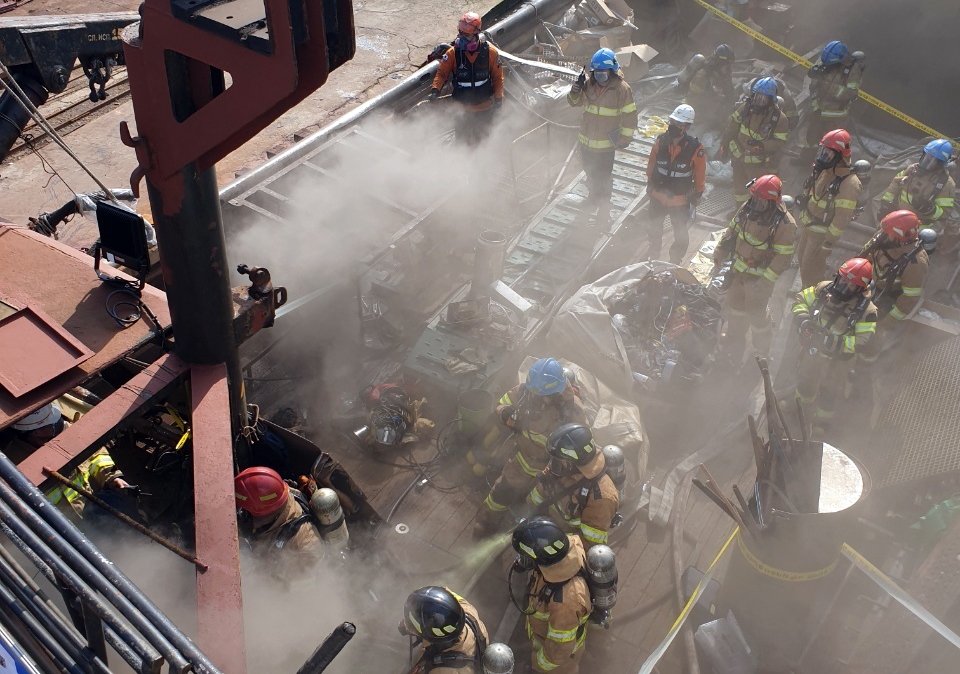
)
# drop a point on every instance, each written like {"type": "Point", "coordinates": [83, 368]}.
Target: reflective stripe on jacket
{"type": "Point", "coordinates": [928, 194]}
{"type": "Point", "coordinates": [830, 214]}
{"type": "Point", "coordinates": [758, 251]}
{"type": "Point", "coordinates": [537, 418]}
{"type": "Point", "coordinates": [834, 319]}
{"type": "Point", "coordinates": [609, 111]}
{"type": "Point", "coordinates": [756, 137]}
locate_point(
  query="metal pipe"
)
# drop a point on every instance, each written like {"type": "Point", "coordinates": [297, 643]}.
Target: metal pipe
{"type": "Point", "coordinates": [328, 650]}
{"type": "Point", "coordinates": [487, 263]}
{"type": "Point", "coordinates": [55, 626]}
{"type": "Point", "coordinates": [414, 85]}
{"type": "Point", "coordinates": [59, 553]}
{"type": "Point", "coordinates": [28, 553]}
{"type": "Point", "coordinates": [12, 628]}
{"type": "Point", "coordinates": [126, 519]}
{"type": "Point", "coordinates": [17, 575]}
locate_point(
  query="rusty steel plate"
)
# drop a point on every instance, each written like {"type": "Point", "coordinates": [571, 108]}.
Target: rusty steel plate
{"type": "Point", "coordinates": [35, 349]}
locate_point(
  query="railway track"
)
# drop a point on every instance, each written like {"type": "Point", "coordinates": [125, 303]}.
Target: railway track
{"type": "Point", "coordinates": [71, 109]}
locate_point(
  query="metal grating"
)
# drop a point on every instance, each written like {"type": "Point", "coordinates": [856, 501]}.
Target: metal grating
{"type": "Point", "coordinates": [919, 436]}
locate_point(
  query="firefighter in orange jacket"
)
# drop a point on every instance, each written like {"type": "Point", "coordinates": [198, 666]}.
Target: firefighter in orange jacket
{"type": "Point", "coordinates": [760, 241]}
{"type": "Point", "coordinates": [574, 488]}
{"type": "Point", "coordinates": [608, 123]}
{"type": "Point", "coordinates": [473, 65]}
{"type": "Point", "coordinates": [558, 598]}
{"type": "Point", "coordinates": [676, 174]}
{"type": "Point", "coordinates": [532, 410]}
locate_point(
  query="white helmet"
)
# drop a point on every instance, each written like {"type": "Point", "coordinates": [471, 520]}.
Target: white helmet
{"type": "Point", "coordinates": [683, 114]}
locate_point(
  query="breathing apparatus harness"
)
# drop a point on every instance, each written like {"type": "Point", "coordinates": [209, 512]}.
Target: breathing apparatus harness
{"type": "Point", "coordinates": [433, 658]}
{"type": "Point", "coordinates": [809, 188]}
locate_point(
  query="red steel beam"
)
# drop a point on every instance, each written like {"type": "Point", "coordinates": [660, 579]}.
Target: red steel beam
{"type": "Point", "coordinates": [219, 600]}
{"type": "Point", "coordinates": [129, 400]}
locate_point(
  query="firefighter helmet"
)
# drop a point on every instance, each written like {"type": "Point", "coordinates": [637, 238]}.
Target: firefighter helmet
{"type": "Point", "coordinates": [768, 187]}
{"type": "Point", "coordinates": [857, 271]}
{"type": "Point", "coordinates": [936, 154]}
{"type": "Point", "coordinates": [572, 442]}
{"type": "Point", "coordinates": [470, 24]}
{"type": "Point", "coordinates": [724, 52]}
{"type": "Point", "coordinates": [540, 539]}
{"type": "Point", "coordinates": [835, 52]}
{"type": "Point", "coordinates": [839, 140]}
{"type": "Point", "coordinates": [901, 226]}
{"type": "Point", "coordinates": [545, 377]}
{"type": "Point", "coordinates": [683, 114]}
{"type": "Point", "coordinates": [434, 614]}
{"type": "Point", "coordinates": [604, 59]}
{"type": "Point", "coordinates": [260, 491]}
{"type": "Point", "coordinates": [766, 86]}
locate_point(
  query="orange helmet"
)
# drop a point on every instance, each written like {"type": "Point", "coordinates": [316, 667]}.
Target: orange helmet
{"type": "Point", "coordinates": [901, 226]}
{"type": "Point", "coordinates": [767, 187]}
{"type": "Point", "coordinates": [470, 24]}
{"type": "Point", "coordinates": [838, 140]}
{"type": "Point", "coordinates": [857, 271]}
{"type": "Point", "coordinates": [260, 491]}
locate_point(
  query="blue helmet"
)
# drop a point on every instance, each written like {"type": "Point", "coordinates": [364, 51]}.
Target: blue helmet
{"type": "Point", "coordinates": [766, 86]}
{"type": "Point", "coordinates": [941, 150]}
{"type": "Point", "coordinates": [604, 59]}
{"type": "Point", "coordinates": [546, 377]}
{"type": "Point", "coordinates": [835, 52]}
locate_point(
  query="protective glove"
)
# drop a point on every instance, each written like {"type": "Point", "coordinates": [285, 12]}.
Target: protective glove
{"type": "Point", "coordinates": [807, 329]}
{"type": "Point", "coordinates": [578, 86]}
{"type": "Point", "coordinates": [509, 416]}
{"type": "Point", "coordinates": [721, 154]}
{"type": "Point", "coordinates": [885, 209]}
{"type": "Point", "coordinates": [433, 95]}
{"type": "Point", "coordinates": [623, 141]}
{"type": "Point", "coordinates": [694, 198]}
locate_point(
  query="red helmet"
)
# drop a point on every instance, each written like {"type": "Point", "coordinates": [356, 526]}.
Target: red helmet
{"type": "Point", "coordinates": [857, 271]}
{"type": "Point", "coordinates": [838, 140]}
{"type": "Point", "coordinates": [470, 24]}
{"type": "Point", "coordinates": [767, 187]}
{"type": "Point", "coordinates": [260, 491]}
{"type": "Point", "coordinates": [901, 226]}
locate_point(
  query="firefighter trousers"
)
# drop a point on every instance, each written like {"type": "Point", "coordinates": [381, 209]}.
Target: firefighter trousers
{"type": "Point", "coordinates": [518, 477]}
{"type": "Point", "coordinates": [598, 165]}
{"type": "Point", "coordinates": [745, 308]}
{"type": "Point", "coordinates": [679, 220]}
{"type": "Point", "coordinates": [820, 380]}
{"type": "Point", "coordinates": [744, 173]}
{"type": "Point", "coordinates": [473, 126]}
{"type": "Point", "coordinates": [818, 126]}
{"type": "Point", "coordinates": [812, 257]}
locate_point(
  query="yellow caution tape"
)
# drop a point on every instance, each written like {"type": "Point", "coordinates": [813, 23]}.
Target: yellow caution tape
{"type": "Point", "coordinates": [780, 574]}
{"type": "Point", "coordinates": [654, 658]}
{"type": "Point", "coordinates": [796, 58]}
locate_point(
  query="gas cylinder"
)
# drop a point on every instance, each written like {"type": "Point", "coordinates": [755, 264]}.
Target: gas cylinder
{"type": "Point", "coordinates": [689, 70]}
{"type": "Point", "coordinates": [602, 579]}
{"type": "Point", "coordinates": [616, 466]}
{"type": "Point", "coordinates": [325, 506]}
{"type": "Point", "coordinates": [498, 659]}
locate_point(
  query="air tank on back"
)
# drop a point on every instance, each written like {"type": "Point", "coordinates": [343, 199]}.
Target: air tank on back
{"type": "Point", "coordinates": [325, 506]}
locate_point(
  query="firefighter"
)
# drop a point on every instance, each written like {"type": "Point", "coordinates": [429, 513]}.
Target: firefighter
{"type": "Point", "coordinates": [925, 188]}
{"type": "Point", "coordinates": [574, 489]}
{"type": "Point", "coordinates": [827, 204]}
{"type": "Point", "coordinates": [834, 85]}
{"type": "Point", "coordinates": [449, 628]}
{"type": "Point", "coordinates": [609, 122]}
{"type": "Point", "coordinates": [785, 99]}
{"type": "Point", "coordinates": [760, 241]}
{"type": "Point", "coordinates": [676, 173]}
{"type": "Point", "coordinates": [97, 474]}
{"type": "Point", "coordinates": [708, 85]}
{"type": "Point", "coordinates": [272, 521]}
{"type": "Point", "coordinates": [836, 321]}
{"type": "Point", "coordinates": [532, 411]}
{"type": "Point", "coordinates": [558, 597]}
{"type": "Point", "coordinates": [474, 66]}
{"type": "Point", "coordinates": [900, 265]}
{"type": "Point", "coordinates": [754, 136]}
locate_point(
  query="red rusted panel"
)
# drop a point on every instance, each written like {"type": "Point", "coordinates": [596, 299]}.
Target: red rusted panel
{"type": "Point", "coordinates": [127, 401]}
{"type": "Point", "coordinates": [219, 600]}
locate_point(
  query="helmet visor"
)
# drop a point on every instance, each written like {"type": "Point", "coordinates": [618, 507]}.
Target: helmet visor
{"type": "Point", "coordinates": [929, 163]}
{"type": "Point", "coordinates": [761, 100]}
{"type": "Point", "coordinates": [844, 289]}
{"type": "Point", "coordinates": [827, 157]}
{"type": "Point", "coordinates": [758, 205]}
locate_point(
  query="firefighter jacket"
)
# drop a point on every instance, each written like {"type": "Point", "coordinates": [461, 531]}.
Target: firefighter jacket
{"type": "Point", "coordinates": [713, 79]}
{"type": "Point", "coordinates": [762, 245]}
{"type": "Point", "coordinates": [756, 137]}
{"type": "Point", "coordinates": [463, 657]}
{"type": "Point", "coordinates": [929, 194]}
{"type": "Point", "coordinates": [609, 113]}
{"type": "Point", "coordinates": [843, 329]}
{"type": "Point", "coordinates": [584, 503]}
{"type": "Point", "coordinates": [831, 201]}
{"type": "Point", "coordinates": [834, 88]}
{"type": "Point", "coordinates": [477, 77]}
{"type": "Point", "coordinates": [560, 601]}
{"type": "Point", "coordinates": [291, 532]}
{"type": "Point", "coordinates": [537, 417]}
{"type": "Point", "coordinates": [94, 475]}
{"type": "Point", "coordinates": [899, 272]}
{"type": "Point", "coordinates": [676, 169]}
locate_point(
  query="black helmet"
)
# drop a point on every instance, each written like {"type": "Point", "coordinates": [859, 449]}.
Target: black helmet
{"type": "Point", "coordinates": [434, 614]}
{"type": "Point", "coordinates": [572, 442]}
{"type": "Point", "coordinates": [541, 540]}
{"type": "Point", "coordinates": [724, 52]}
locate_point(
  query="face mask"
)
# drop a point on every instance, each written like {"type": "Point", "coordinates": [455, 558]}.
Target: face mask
{"type": "Point", "coordinates": [843, 290]}
{"type": "Point", "coordinates": [558, 469]}
{"type": "Point", "coordinates": [601, 76]}
{"type": "Point", "coordinates": [929, 162]}
{"type": "Point", "coordinates": [758, 205]}
{"type": "Point", "coordinates": [469, 43]}
{"type": "Point", "coordinates": [760, 101]}
{"type": "Point", "coordinates": [826, 158]}
{"type": "Point", "coordinates": [674, 131]}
